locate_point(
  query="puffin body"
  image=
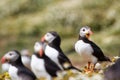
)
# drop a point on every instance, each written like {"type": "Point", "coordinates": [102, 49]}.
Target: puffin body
{"type": "Point", "coordinates": [13, 73]}
{"type": "Point", "coordinates": [54, 52]}
{"type": "Point", "coordinates": [26, 58]}
{"type": "Point", "coordinates": [37, 66]}
{"type": "Point", "coordinates": [5, 67]}
{"type": "Point", "coordinates": [26, 61]}
{"type": "Point", "coordinates": [42, 65]}
{"type": "Point", "coordinates": [17, 70]}
{"type": "Point", "coordinates": [85, 51]}
{"type": "Point", "coordinates": [88, 49]}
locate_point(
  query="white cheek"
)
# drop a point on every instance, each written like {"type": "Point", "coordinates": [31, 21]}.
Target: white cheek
{"type": "Point", "coordinates": [82, 34]}
{"type": "Point", "coordinates": [37, 49]}
{"type": "Point", "coordinates": [9, 57]}
{"type": "Point", "coordinates": [15, 57]}
{"type": "Point", "coordinates": [47, 38]}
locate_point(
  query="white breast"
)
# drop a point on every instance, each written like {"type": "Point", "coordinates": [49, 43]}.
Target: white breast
{"type": "Point", "coordinates": [85, 50]}
{"type": "Point", "coordinates": [5, 67]}
{"type": "Point", "coordinates": [53, 55]}
{"type": "Point", "coordinates": [13, 73]}
{"type": "Point", "coordinates": [26, 61]}
{"type": "Point", "coordinates": [38, 68]}
{"type": "Point", "coordinates": [51, 52]}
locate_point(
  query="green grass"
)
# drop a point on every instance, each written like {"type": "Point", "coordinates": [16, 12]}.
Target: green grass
{"type": "Point", "coordinates": [24, 22]}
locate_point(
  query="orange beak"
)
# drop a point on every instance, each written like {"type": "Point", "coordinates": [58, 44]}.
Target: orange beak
{"type": "Point", "coordinates": [41, 52]}
{"type": "Point", "coordinates": [43, 39]}
{"type": "Point", "coordinates": [3, 60]}
{"type": "Point", "coordinates": [90, 32]}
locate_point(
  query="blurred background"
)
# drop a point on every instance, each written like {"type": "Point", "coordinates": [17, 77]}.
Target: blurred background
{"type": "Point", "coordinates": [22, 22]}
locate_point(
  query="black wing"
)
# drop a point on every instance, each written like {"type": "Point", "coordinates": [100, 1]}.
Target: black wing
{"type": "Point", "coordinates": [98, 52]}
{"type": "Point", "coordinates": [63, 59]}
{"type": "Point", "coordinates": [26, 74]}
{"type": "Point", "coordinates": [51, 67]}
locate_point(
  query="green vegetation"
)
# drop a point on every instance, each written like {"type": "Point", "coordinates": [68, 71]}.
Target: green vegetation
{"type": "Point", "coordinates": [22, 22]}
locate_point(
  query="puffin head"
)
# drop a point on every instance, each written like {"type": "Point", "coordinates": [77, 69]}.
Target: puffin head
{"type": "Point", "coordinates": [10, 57]}
{"type": "Point", "coordinates": [85, 32]}
{"type": "Point", "coordinates": [39, 48]}
{"type": "Point", "coordinates": [25, 52]}
{"type": "Point", "coordinates": [49, 36]}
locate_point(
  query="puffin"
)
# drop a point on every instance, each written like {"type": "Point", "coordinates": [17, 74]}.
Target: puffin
{"type": "Point", "coordinates": [26, 58]}
{"type": "Point", "coordinates": [88, 49]}
{"type": "Point", "coordinates": [41, 65]}
{"type": "Point", "coordinates": [113, 71]}
{"type": "Point", "coordinates": [17, 70]}
{"type": "Point", "coordinates": [5, 67]}
{"type": "Point", "coordinates": [54, 51]}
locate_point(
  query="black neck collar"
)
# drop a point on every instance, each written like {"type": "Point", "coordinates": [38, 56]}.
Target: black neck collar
{"type": "Point", "coordinates": [56, 43]}
{"type": "Point", "coordinates": [37, 54]}
{"type": "Point", "coordinates": [81, 38]}
{"type": "Point", "coordinates": [17, 62]}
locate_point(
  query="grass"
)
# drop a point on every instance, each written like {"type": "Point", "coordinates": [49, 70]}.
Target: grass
{"type": "Point", "coordinates": [21, 24]}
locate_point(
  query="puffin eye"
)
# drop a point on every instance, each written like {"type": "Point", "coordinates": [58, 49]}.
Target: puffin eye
{"type": "Point", "coordinates": [10, 54]}
{"type": "Point", "coordinates": [47, 35]}
{"type": "Point", "coordinates": [83, 29]}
